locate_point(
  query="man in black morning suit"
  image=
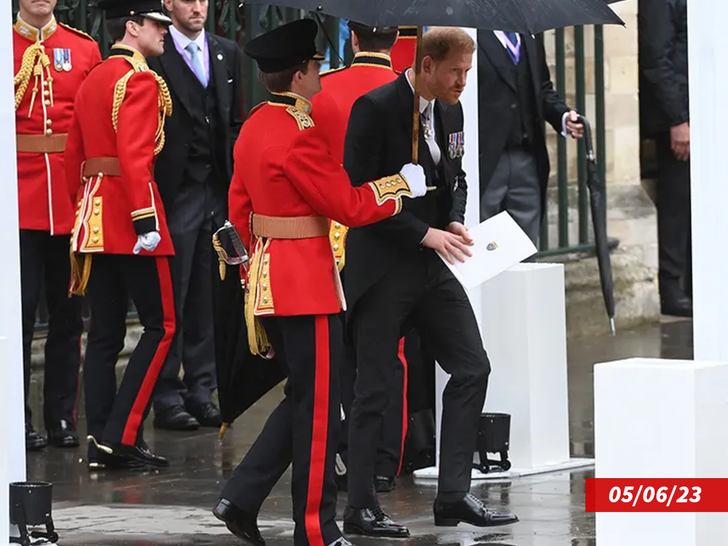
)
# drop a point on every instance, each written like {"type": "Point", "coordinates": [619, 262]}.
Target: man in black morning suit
{"type": "Point", "coordinates": [194, 169]}
{"type": "Point", "coordinates": [395, 280]}
{"type": "Point", "coordinates": [515, 97]}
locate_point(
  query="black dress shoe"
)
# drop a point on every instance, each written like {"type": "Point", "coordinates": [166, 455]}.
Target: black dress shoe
{"type": "Point", "coordinates": [372, 522]}
{"type": "Point", "coordinates": [139, 452]}
{"type": "Point", "coordinates": [99, 460]}
{"type": "Point", "coordinates": [469, 510]}
{"type": "Point", "coordinates": [175, 418]}
{"type": "Point", "coordinates": [241, 524]}
{"type": "Point", "coordinates": [384, 484]}
{"type": "Point", "coordinates": [63, 435]}
{"type": "Point", "coordinates": [34, 441]}
{"type": "Point", "coordinates": [208, 415]}
{"type": "Point", "coordinates": [680, 306]}
{"type": "Point", "coordinates": [104, 461]}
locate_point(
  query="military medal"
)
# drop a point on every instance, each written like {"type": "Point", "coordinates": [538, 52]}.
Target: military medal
{"type": "Point", "coordinates": [62, 59]}
{"type": "Point", "coordinates": [67, 60]}
{"type": "Point", "coordinates": [58, 59]}
{"type": "Point", "coordinates": [456, 145]}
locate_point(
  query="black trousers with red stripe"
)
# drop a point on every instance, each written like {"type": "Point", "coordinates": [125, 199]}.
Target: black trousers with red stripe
{"type": "Point", "coordinates": [44, 263]}
{"type": "Point", "coordinates": [303, 430]}
{"type": "Point", "coordinates": [116, 417]}
{"type": "Point", "coordinates": [390, 447]}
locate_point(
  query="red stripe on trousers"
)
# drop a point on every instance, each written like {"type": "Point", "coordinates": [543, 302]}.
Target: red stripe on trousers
{"type": "Point", "coordinates": [319, 436]}
{"type": "Point", "coordinates": [168, 322]}
{"type": "Point", "coordinates": [405, 416]}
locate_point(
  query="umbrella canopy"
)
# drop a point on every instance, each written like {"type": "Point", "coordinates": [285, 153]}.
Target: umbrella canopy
{"type": "Point", "coordinates": [597, 200]}
{"type": "Point", "coordinates": [525, 16]}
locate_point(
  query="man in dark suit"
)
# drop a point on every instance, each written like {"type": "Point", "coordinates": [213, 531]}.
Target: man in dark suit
{"type": "Point", "coordinates": [193, 171]}
{"type": "Point", "coordinates": [396, 280]}
{"type": "Point", "coordinates": [516, 96]}
{"type": "Point", "coordinates": [665, 117]}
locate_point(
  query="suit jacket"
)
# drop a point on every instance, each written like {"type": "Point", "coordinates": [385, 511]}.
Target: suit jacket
{"type": "Point", "coordinates": [498, 100]}
{"type": "Point", "coordinates": [663, 61]}
{"type": "Point", "coordinates": [226, 69]}
{"type": "Point", "coordinates": [378, 144]}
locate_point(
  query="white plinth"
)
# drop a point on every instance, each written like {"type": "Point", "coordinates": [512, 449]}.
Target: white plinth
{"type": "Point", "coordinates": [523, 324]}
{"type": "Point", "coordinates": [4, 447]}
{"type": "Point", "coordinates": [661, 419]}
{"type": "Point", "coordinates": [524, 332]}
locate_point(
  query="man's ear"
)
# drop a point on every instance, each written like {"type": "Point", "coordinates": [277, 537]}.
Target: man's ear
{"type": "Point", "coordinates": [427, 64]}
{"type": "Point", "coordinates": [132, 28]}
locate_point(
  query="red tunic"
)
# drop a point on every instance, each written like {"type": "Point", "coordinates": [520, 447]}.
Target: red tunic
{"type": "Point", "coordinates": [405, 48]}
{"type": "Point", "coordinates": [284, 168]}
{"type": "Point", "coordinates": [120, 111]}
{"type": "Point", "coordinates": [44, 106]}
{"type": "Point", "coordinates": [342, 87]}
{"type": "Point", "coordinates": [332, 108]}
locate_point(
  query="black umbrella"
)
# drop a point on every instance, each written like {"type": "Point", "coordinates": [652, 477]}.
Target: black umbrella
{"type": "Point", "coordinates": [597, 198]}
{"type": "Point", "coordinates": [525, 16]}
{"type": "Point", "coordinates": [243, 378]}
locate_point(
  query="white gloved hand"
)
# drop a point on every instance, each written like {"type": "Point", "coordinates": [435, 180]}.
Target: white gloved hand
{"type": "Point", "coordinates": [415, 176]}
{"type": "Point", "coordinates": [147, 241]}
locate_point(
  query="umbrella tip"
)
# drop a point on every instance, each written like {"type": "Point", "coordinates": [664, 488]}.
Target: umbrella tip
{"type": "Point", "coordinates": [612, 326]}
{"type": "Point", "coordinates": [223, 430]}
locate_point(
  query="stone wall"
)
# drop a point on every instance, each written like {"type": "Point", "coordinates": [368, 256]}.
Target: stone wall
{"type": "Point", "coordinates": [631, 213]}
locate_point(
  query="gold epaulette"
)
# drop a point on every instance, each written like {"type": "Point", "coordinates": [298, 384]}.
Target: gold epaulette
{"type": "Point", "coordinates": [332, 71]}
{"type": "Point", "coordinates": [302, 118]}
{"type": "Point", "coordinates": [77, 31]}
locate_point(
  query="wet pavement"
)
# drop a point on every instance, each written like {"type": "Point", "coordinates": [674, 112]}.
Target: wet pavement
{"type": "Point", "coordinates": [172, 506]}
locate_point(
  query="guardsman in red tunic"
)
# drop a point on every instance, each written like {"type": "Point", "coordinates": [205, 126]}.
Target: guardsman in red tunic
{"type": "Point", "coordinates": [341, 87]}
{"type": "Point", "coordinates": [120, 243]}
{"type": "Point", "coordinates": [285, 188]}
{"type": "Point", "coordinates": [51, 60]}
{"type": "Point", "coordinates": [403, 52]}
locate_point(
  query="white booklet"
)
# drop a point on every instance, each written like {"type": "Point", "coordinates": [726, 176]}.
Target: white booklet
{"type": "Point", "coordinates": [499, 243]}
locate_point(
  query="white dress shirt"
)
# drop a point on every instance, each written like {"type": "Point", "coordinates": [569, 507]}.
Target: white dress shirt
{"type": "Point", "coordinates": [428, 109]}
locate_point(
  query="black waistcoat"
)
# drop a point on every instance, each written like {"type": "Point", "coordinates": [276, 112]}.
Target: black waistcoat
{"type": "Point", "coordinates": [523, 128]}
{"type": "Point", "coordinates": [201, 158]}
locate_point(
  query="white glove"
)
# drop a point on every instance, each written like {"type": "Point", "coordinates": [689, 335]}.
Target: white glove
{"type": "Point", "coordinates": [148, 242]}
{"type": "Point", "coordinates": [415, 176]}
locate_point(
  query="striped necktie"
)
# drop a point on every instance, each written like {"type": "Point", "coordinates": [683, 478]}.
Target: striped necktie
{"type": "Point", "coordinates": [513, 46]}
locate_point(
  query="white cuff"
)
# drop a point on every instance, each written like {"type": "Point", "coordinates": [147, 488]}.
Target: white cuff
{"type": "Point", "coordinates": [563, 124]}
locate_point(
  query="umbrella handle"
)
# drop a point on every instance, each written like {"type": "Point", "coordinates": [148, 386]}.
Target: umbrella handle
{"type": "Point", "coordinates": [588, 142]}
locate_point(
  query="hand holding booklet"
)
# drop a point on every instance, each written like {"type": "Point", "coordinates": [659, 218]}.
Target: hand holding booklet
{"type": "Point", "coordinates": [498, 244]}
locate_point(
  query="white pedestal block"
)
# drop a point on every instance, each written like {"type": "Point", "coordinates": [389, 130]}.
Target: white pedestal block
{"type": "Point", "coordinates": [523, 324]}
{"type": "Point", "coordinates": [4, 449]}
{"type": "Point", "coordinates": [661, 419]}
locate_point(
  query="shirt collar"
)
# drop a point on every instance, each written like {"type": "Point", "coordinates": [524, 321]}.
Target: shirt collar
{"type": "Point", "coordinates": [35, 34]}
{"type": "Point", "coordinates": [183, 41]}
{"type": "Point", "coordinates": [423, 102]}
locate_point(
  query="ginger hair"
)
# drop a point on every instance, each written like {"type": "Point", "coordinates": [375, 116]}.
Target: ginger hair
{"type": "Point", "coordinates": [439, 42]}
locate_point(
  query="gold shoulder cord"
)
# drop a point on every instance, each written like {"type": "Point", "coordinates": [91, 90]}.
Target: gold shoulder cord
{"type": "Point", "coordinates": [34, 61]}
{"type": "Point", "coordinates": [165, 100]}
{"type": "Point", "coordinates": [165, 110]}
